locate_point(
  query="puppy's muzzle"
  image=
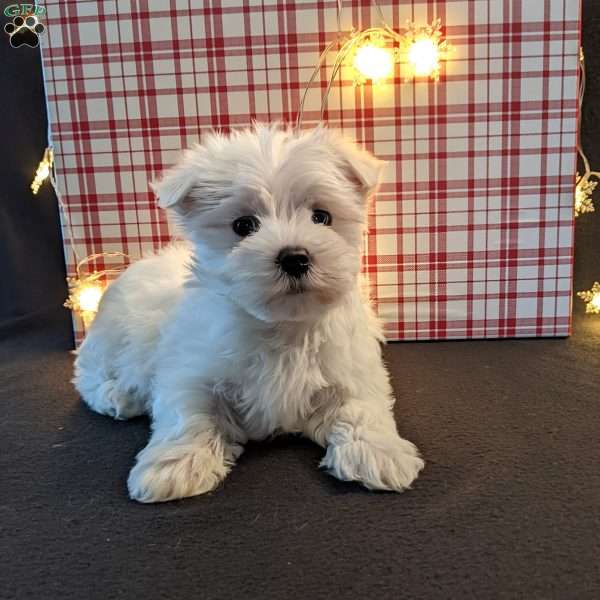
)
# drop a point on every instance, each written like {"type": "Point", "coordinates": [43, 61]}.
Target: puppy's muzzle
{"type": "Point", "coordinates": [294, 261]}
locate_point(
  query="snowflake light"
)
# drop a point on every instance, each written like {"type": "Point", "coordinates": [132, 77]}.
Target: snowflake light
{"type": "Point", "coordinates": [592, 299]}
{"type": "Point", "coordinates": [583, 195]}
{"type": "Point", "coordinates": [371, 60]}
{"type": "Point", "coordinates": [422, 48]}
{"type": "Point", "coordinates": [372, 53]}
{"type": "Point", "coordinates": [85, 294]}
{"type": "Point", "coordinates": [43, 170]}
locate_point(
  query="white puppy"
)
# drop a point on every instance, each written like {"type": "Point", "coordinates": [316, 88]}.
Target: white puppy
{"type": "Point", "coordinates": [258, 325]}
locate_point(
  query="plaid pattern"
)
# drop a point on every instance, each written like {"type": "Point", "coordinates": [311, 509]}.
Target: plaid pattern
{"type": "Point", "coordinates": [472, 232]}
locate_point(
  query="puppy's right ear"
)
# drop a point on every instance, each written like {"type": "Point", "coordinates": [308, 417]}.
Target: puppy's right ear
{"type": "Point", "coordinates": [359, 167]}
{"type": "Point", "coordinates": [175, 186]}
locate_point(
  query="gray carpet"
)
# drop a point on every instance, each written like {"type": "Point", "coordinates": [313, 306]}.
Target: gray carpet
{"type": "Point", "coordinates": [507, 507]}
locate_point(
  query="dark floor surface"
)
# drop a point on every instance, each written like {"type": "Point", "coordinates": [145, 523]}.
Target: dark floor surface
{"type": "Point", "coordinates": [507, 507]}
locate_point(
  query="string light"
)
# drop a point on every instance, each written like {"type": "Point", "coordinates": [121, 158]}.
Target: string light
{"type": "Point", "coordinates": [372, 53]}
{"type": "Point", "coordinates": [592, 299]}
{"type": "Point", "coordinates": [422, 48]}
{"type": "Point", "coordinates": [43, 170]}
{"type": "Point", "coordinates": [86, 291]}
{"type": "Point", "coordinates": [84, 296]}
{"type": "Point", "coordinates": [584, 186]}
{"type": "Point", "coordinates": [583, 195]}
{"type": "Point", "coordinates": [371, 60]}
{"type": "Point", "coordinates": [89, 296]}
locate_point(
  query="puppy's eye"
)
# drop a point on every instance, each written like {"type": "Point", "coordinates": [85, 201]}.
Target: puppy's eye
{"type": "Point", "coordinates": [321, 217]}
{"type": "Point", "coordinates": [245, 226]}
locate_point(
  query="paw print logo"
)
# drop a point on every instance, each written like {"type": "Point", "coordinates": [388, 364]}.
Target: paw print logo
{"type": "Point", "coordinates": [24, 31]}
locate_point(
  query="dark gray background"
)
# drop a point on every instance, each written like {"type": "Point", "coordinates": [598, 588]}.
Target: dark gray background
{"type": "Point", "coordinates": [507, 506]}
{"type": "Point", "coordinates": [31, 256]}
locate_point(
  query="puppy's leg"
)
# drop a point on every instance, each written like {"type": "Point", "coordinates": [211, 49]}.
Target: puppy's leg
{"type": "Point", "coordinates": [191, 450]}
{"type": "Point", "coordinates": [363, 444]}
{"type": "Point", "coordinates": [102, 391]}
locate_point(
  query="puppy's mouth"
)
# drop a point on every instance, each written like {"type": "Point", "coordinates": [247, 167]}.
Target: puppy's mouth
{"type": "Point", "coordinates": [295, 292]}
{"type": "Point", "coordinates": [304, 285]}
{"type": "Point", "coordinates": [295, 286]}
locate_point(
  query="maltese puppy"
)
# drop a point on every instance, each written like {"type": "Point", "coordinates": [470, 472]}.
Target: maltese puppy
{"type": "Point", "coordinates": [257, 324]}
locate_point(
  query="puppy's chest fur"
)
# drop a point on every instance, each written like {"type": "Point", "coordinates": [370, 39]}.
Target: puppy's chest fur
{"type": "Point", "coordinates": [273, 386]}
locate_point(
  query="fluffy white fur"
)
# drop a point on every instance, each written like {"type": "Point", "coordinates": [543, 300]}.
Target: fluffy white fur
{"type": "Point", "coordinates": [218, 345]}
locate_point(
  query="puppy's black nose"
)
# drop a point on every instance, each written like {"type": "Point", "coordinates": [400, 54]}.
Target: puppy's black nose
{"type": "Point", "coordinates": [294, 261]}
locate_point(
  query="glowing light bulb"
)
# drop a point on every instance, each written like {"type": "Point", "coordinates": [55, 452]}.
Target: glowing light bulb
{"type": "Point", "coordinates": [423, 54]}
{"type": "Point", "coordinates": [579, 199]}
{"type": "Point", "coordinates": [423, 49]}
{"type": "Point", "coordinates": [592, 299]}
{"type": "Point", "coordinates": [374, 62]}
{"type": "Point", "coordinates": [43, 170]}
{"type": "Point", "coordinates": [84, 296]}
{"type": "Point", "coordinates": [89, 297]}
{"type": "Point", "coordinates": [583, 195]}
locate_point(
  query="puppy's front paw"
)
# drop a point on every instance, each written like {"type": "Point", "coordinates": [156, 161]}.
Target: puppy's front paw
{"type": "Point", "coordinates": [177, 470]}
{"type": "Point", "coordinates": [391, 465]}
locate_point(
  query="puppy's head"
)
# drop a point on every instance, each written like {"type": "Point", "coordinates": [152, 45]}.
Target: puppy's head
{"type": "Point", "coordinates": [276, 216]}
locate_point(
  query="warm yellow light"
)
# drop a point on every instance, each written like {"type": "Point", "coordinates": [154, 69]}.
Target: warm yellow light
{"type": "Point", "coordinates": [89, 297]}
{"type": "Point", "coordinates": [583, 195]}
{"type": "Point", "coordinates": [592, 299]}
{"type": "Point", "coordinates": [84, 296]}
{"type": "Point", "coordinates": [423, 55]}
{"type": "Point", "coordinates": [423, 49]}
{"type": "Point", "coordinates": [579, 200]}
{"type": "Point", "coordinates": [374, 62]}
{"type": "Point", "coordinates": [43, 170]}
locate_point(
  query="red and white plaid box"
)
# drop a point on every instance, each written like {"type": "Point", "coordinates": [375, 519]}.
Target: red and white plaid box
{"type": "Point", "coordinates": [471, 234]}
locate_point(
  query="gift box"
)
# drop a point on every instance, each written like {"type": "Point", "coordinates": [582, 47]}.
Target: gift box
{"type": "Point", "coordinates": [471, 232]}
